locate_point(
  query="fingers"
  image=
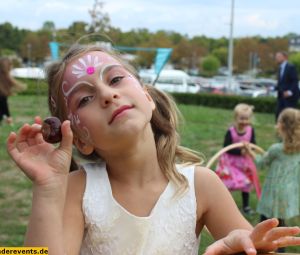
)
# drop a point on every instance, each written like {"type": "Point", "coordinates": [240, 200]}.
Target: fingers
{"type": "Point", "coordinates": [216, 248]}
{"type": "Point", "coordinates": [38, 120]}
{"type": "Point", "coordinates": [222, 246]}
{"type": "Point", "coordinates": [10, 145]}
{"type": "Point", "coordinates": [280, 232]}
{"type": "Point", "coordinates": [288, 241]}
{"type": "Point", "coordinates": [27, 136]}
{"type": "Point", "coordinates": [262, 228]}
{"type": "Point", "coordinates": [67, 137]}
{"type": "Point", "coordinates": [33, 134]}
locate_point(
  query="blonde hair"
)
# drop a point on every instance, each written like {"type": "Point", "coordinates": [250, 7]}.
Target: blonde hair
{"type": "Point", "coordinates": [243, 109]}
{"type": "Point", "coordinates": [164, 119]}
{"type": "Point", "coordinates": [289, 120]}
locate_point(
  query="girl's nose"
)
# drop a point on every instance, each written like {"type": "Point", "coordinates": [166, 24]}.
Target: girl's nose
{"type": "Point", "coordinates": [107, 96]}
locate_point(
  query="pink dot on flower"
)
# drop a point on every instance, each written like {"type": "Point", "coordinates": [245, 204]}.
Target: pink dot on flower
{"type": "Point", "coordinates": [90, 70]}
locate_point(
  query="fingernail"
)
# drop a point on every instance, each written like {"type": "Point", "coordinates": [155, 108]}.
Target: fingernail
{"type": "Point", "coordinates": [38, 126]}
{"type": "Point", "coordinates": [251, 250]}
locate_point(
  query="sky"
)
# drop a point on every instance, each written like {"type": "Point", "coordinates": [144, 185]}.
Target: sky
{"type": "Point", "coordinates": [267, 18]}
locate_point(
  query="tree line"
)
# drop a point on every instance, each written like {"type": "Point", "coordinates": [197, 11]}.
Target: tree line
{"type": "Point", "coordinates": [200, 54]}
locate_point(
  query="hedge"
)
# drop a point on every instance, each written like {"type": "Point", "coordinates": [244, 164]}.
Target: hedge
{"type": "Point", "coordinates": [261, 104]}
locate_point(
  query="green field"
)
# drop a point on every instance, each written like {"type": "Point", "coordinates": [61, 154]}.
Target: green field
{"type": "Point", "coordinates": [203, 130]}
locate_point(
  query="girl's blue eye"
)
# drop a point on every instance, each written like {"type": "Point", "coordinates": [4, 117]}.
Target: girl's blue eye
{"type": "Point", "coordinates": [84, 101]}
{"type": "Point", "coordinates": [116, 80]}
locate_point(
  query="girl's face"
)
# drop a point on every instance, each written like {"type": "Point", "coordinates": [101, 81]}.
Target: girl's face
{"type": "Point", "coordinates": [105, 102]}
{"type": "Point", "coordinates": [243, 119]}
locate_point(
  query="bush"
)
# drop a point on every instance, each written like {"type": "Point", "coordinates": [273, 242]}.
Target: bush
{"type": "Point", "coordinates": [261, 104]}
{"type": "Point", "coordinates": [34, 87]}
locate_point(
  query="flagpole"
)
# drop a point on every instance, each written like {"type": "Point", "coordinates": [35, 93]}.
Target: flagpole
{"type": "Point", "coordinates": [230, 49]}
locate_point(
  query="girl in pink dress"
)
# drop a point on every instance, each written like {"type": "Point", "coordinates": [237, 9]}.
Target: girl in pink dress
{"type": "Point", "coordinates": [236, 168]}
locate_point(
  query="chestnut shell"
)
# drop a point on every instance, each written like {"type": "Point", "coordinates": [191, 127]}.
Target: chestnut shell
{"type": "Point", "coordinates": [51, 130]}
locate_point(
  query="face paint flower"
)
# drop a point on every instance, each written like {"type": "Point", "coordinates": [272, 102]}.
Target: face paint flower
{"type": "Point", "coordinates": [86, 65]}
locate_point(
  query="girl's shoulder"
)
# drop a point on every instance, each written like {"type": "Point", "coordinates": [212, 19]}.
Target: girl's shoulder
{"type": "Point", "coordinates": [77, 180]}
{"type": "Point", "coordinates": [205, 176]}
{"type": "Point", "coordinates": [76, 188]}
{"type": "Point", "coordinates": [276, 147]}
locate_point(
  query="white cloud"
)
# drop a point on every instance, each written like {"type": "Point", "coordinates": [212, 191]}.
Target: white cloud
{"type": "Point", "coordinates": [258, 21]}
{"type": "Point", "coordinates": [192, 17]}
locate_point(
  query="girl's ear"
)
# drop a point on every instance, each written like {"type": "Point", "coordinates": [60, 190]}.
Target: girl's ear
{"type": "Point", "coordinates": [150, 99]}
{"type": "Point", "coordinates": [83, 147]}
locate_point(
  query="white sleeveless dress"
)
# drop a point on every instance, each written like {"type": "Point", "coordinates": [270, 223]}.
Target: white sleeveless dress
{"type": "Point", "coordinates": [111, 230]}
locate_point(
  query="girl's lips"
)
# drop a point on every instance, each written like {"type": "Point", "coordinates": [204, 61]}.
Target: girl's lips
{"type": "Point", "coordinates": [118, 111]}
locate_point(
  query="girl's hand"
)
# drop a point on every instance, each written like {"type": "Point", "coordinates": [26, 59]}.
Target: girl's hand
{"type": "Point", "coordinates": [248, 150]}
{"type": "Point", "coordinates": [265, 237]}
{"type": "Point", "coordinates": [43, 163]}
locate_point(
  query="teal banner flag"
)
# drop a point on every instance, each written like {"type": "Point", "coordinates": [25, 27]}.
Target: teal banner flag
{"type": "Point", "coordinates": [54, 49]}
{"type": "Point", "coordinates": [162, 56]}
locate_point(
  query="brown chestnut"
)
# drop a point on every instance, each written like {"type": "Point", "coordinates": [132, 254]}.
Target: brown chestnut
{"type": "Point", "coordinates": [51, 130]}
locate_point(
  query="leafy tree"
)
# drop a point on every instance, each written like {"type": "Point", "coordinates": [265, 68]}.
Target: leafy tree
{"type": "Point", "coordinates": [77, 29]}
{"type": "Point", "coordinates": [295, 59]}
{"type": "Point", "coordinates": [243, 51]}
{"type": "Point", "coordinates": [49, 27]}
{"type": "Point", "coordinates": [11, 37]}
{"type": "Point", "coordinates": [158, 40]}
{"type": "Point", "coordinates": [100, 19]}
{"type": "Point", "coordinates": [34, 48]}
{"type": "Point", "coordinates": [222, 54]}
{"type": "Point", "coordinates": [210, 65]}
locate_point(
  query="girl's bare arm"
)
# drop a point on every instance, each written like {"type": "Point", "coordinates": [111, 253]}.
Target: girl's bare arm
{"type": "Point", "coordinates": [48, 168]}
{"type": "Point", "coordinates": [215, 205]}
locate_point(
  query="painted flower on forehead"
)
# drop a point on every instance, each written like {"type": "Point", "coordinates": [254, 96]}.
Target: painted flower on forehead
{"type": "Point", "coordinates": [86, 65]}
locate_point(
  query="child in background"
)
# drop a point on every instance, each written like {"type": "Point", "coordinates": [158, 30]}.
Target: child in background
{"type": "Point", "coordinates": [147, 195]}
{"type": "Point", "coordinates": [281, 190]}
{"type": "Point", "coordinates": [235, 167]}
{"type": "Point", "coordinates": [8, 85]}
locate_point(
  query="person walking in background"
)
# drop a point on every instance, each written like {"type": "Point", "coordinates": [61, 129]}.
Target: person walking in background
{"type": "Point", "coordinates": [287, 84]}
{"type": "Point", "coordinates": [8, 85]}
{"type": "Point", "coordinates": [281, 190]}
{"type": "Point", "coordinates": [235, 167]}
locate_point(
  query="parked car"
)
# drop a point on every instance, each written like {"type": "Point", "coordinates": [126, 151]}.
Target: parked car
{"type": "Point", "coordinates": [28, 72]}
{"type": "Point", "coordinates": [170, 81]}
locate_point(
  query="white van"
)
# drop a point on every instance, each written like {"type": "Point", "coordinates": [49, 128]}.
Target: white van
{"type": "Point", "coordinates": [171, 81]}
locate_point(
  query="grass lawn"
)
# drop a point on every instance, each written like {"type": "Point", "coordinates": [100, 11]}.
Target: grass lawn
{"type": "Point", "coordinates": [203, 130]}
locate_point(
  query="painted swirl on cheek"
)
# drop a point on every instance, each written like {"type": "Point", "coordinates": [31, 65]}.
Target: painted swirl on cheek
{"type": "Point", "coordinates": [66, 88]}
{"type": "Point", "coordinates": [79, 126]}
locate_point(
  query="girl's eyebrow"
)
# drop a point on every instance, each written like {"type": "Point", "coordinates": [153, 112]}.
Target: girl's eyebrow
{"type": "Point", "coordinates": [107, 68]}
{"type": "Point", "coordinates": [77, 86]}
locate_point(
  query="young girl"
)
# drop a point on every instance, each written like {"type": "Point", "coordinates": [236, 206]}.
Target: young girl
{"type": "Point", "coordinates": [280, 194]}
{"type": "Point", "coordinates": [236, 168]}
{"type": "Point", "coordinates": [145, 196]}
